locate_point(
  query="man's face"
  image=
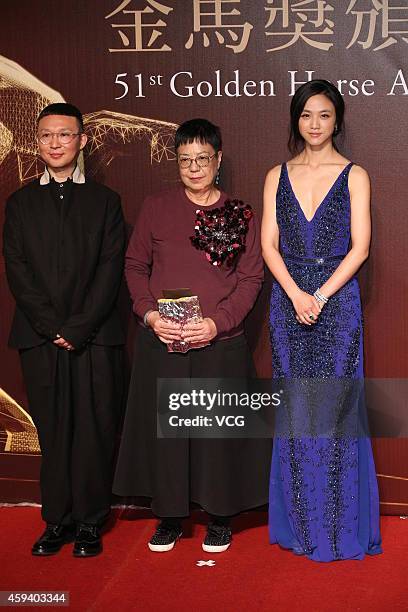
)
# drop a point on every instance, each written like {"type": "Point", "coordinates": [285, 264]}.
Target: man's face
{"type": "Point", "coordinates": [58, 154]}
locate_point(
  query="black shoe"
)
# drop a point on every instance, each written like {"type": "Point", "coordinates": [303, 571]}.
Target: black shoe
{"type": "Point", "coordinates": [53, 539]}
{"type": "Point", "coordinates": [165, 537]}
{"type": "Point", "coordinates": [218, 538]}
{"type": "Point", "coordinates": [88, 541]}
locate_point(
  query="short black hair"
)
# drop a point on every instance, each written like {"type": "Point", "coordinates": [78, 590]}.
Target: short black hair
{"type": "Point", "coordinates": [200, 130]}
{"type": "Point", "coordinates": [306, 91]}
{"type": "Point", "coordinates": [64, 109]}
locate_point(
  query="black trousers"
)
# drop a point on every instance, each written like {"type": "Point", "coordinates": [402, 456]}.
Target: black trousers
{"type": "Point", "coordinates": [223, 476]}
{"type": "Point", "coordinates": [75, 400]}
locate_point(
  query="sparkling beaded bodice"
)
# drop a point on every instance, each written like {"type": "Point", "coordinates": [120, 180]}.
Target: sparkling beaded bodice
{"type": "Point", "coordinates": [327, 233]}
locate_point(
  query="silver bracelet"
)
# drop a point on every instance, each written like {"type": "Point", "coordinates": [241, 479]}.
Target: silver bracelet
{"type": "Point", "coordinates": [320, 297]}
{"type": "Point", "coordinates": [145, 318]}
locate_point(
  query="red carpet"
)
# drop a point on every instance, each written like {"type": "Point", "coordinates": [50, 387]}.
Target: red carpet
{"type": "Point", "coordinates": [252, 575]}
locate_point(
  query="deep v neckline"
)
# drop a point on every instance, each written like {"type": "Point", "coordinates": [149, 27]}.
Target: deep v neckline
{"type": "Point", "coordinates": [325, 197]}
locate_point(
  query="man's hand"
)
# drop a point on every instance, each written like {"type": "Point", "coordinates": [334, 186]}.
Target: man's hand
{"type": "Point", "coordinates": [204, 331]}
{"type": "Point", "coordinates": [62, 343]}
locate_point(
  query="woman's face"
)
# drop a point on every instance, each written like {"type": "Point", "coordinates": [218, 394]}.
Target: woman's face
{"type": "Point", "coordinates": [201, 172]}
{"type": "Point", "coordinates": [317, 120]}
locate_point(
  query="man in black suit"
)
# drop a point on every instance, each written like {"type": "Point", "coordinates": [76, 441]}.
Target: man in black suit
{"type": "Point", "coordinates": [64, 243]}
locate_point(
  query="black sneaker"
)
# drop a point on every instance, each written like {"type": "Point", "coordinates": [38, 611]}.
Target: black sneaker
{"type": "Point", "coordinates": [165, 537]}
{"type": "Point", "coordinates": [218, 538]}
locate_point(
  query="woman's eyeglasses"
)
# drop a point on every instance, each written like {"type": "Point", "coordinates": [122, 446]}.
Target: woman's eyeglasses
{"type": "Point", "coordinates": [201, 160]}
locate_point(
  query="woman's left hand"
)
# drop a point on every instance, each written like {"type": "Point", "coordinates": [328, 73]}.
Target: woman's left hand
{"type": "Point", "coordinates": [204, 331]}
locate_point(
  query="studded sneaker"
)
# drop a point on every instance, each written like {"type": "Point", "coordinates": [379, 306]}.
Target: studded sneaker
{"type": "Point", "coordinates": [218, 538]}
{"type": "Point", "coordinates": [165, 537]}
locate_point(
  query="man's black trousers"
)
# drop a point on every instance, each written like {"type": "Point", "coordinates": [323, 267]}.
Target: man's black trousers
{"type": "Point", "coordinates": [75, 399]}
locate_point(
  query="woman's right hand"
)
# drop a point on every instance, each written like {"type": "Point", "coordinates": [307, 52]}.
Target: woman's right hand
{"type": "Point", "coordinates": [165, 330]}
{"type": "Point", "coordinates": [307, 308]}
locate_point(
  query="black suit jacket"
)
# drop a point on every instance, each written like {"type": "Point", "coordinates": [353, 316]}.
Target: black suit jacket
{"type": "Point", "coordinates": [64, 270]}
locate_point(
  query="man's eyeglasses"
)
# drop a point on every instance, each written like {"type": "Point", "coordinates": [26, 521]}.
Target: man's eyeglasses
{"type": "Point", "coordinates": [63, 137]}
{"type": "Point", "coordinates": [201, 160]}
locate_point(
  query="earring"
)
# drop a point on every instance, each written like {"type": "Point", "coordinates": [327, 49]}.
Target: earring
{"type": "Point", "coordinates": [336, 130]}
{"type": "Point", "coordinates": [217, 178]}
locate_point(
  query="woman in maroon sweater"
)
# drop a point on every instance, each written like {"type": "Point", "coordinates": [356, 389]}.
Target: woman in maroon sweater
{"type": "Point", "coordinates": [179, 241]}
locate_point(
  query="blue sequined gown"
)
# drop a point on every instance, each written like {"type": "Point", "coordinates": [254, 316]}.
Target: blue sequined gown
{"type": "Point", "coordinates": [323, 488]}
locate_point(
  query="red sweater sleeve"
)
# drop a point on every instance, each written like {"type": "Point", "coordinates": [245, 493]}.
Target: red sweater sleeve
{"type": "Point", "coordinates": [138, 262]}
{"type": "Point", "coordinates": [232, 310]}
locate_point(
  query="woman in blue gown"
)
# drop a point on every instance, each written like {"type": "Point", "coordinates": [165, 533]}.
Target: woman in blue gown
{"type": "Point", "coordinates": [315, 236]}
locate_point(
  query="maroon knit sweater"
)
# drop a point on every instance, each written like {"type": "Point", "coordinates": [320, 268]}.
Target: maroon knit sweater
{"type": "Point", "coordinates": [160, 256]}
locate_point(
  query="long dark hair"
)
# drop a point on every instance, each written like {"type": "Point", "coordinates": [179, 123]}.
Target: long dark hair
{"type": "Point", "coordinates": [306, 91]}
